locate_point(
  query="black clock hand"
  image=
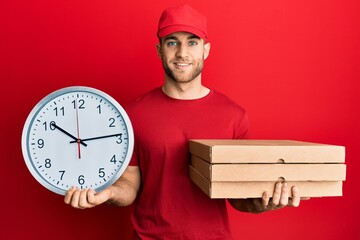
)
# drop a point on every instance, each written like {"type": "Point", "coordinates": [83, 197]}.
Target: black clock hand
{"type": "Point", "coordinates": [94, 138]}
{"type": "Point", "coordinates": [68, 134]}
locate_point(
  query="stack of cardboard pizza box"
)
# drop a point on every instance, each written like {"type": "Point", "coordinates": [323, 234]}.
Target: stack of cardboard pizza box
{"type": "Point", "coordinates": [247, 168]}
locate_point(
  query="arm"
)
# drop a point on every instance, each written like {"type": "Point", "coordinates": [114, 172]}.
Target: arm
{"type": "Point", "coordinates": [122, 193]}
{"type": "Point", "coordinates": [279, 200]}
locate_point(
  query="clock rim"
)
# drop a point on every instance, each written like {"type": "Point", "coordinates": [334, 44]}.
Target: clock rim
{"type": "Point", "coordinates": [34, 112]}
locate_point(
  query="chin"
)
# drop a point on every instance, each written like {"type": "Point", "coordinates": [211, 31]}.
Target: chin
{"type": "Point", "coordinates": [181, 77]}
{"type": "Point", "coordinates": [183, 80]}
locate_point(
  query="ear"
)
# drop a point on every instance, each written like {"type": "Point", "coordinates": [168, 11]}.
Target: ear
{"type": "Point", "coordinates": [158, 49]}
{"type": "Point", "coordinates": [207, 47]}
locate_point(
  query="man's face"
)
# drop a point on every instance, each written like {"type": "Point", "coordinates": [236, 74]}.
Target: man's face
{"type": "Point", "coordinates": [183, 56]}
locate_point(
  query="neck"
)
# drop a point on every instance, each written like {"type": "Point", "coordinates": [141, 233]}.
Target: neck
{"type": "Point", "coordinates": [185, 91]}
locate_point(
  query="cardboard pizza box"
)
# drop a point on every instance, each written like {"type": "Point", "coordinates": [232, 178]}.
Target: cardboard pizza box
{"type": "Point", "coordinates": [247, 168]}
{"type": "Point", "coordinates": [269, 172]}
{"type": "Point", "coordinates": [266, 151]}
{"type": "Point", "coordinates": [255, 189]}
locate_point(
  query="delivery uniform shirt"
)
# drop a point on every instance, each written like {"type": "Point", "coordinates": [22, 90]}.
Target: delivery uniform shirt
{"type": "Point", "coordinates": [169, 205]}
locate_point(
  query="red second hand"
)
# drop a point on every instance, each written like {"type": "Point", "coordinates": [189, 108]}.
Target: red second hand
{"type": "Point", "coordinates": [77, 128]}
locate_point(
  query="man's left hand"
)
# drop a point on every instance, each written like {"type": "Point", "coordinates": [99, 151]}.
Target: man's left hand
{"type": "Point", "coordinates": [279, 199]}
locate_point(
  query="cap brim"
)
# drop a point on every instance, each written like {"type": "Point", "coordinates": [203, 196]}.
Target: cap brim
{"type": "Point", "coordinates": [181, 28]}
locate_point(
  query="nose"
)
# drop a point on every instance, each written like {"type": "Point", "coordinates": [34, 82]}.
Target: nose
{"type": "Point", "coordinates": [181, 51]}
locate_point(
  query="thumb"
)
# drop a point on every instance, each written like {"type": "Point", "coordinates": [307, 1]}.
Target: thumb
{"type": "Point", "coordinates": [98, 198]}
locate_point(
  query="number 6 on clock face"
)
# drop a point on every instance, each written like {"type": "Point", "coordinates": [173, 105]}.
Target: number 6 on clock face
{"type": "Point", "coordinates": [77, 136]}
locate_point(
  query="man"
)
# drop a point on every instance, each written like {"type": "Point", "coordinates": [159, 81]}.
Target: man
{"type": "Point", "coordinates": [167, 204]}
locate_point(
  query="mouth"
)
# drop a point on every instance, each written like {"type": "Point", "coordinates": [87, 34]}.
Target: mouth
{"type": "Point", "coordinates": [182, 65]}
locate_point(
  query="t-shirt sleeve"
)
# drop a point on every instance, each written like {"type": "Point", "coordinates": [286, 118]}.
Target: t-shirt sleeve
{"type": "Point", "coordinates": [134, 161]}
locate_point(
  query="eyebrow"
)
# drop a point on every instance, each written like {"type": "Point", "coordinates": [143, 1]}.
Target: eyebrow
{"type": "Point", "coordinates": [170, 38]}
{"type": "Point", "coordinates": [193, 37]}
{"type": "Point", "coordinates": [175, 38]}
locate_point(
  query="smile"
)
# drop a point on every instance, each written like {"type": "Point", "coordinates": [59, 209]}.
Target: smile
{"type": "Point", "coordinates": [182, 64]}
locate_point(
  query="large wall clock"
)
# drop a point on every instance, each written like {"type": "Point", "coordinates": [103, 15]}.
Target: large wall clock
{"type": "Point", "coordinates": [77, 136]}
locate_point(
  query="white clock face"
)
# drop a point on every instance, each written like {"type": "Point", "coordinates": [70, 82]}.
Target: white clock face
{"type": "Point", "coordinates": [77, 136]}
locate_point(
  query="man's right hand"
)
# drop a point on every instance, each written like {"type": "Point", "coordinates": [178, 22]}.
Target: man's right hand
{"type": "Point", "coordinates": [122, 193]}
{"type": "Point", "coordinates": [86, 198]}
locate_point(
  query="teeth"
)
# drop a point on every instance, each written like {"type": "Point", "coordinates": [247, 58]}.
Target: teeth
{"type": "Point", "coordinates": [182, 64]}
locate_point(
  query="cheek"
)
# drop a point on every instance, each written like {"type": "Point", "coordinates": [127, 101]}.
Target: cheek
{"type": "Point", "coordinates": [166, 56]}
{"type": "Point", "coordinates": [199, 54]}
{"type": "Point", "coordinates": [200, 57]}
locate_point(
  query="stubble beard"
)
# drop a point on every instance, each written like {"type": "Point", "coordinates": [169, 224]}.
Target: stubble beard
{"type": "Point", "coordinates": [183, 79]}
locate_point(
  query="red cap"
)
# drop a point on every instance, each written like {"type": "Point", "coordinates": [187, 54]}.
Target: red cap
{"type": "Point", "coordinates": [182, 19]}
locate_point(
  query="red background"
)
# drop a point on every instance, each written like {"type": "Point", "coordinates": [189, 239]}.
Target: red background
{"type": "Point", "coordinates": [294, 65]}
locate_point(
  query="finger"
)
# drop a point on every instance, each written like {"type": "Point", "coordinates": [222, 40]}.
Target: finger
{"type": "Point", "coordinates": [284, 198]}
{"type": "Point", "coordinates": [75, 199]}
{"type": "Point", "coordinates": [295, 201]}
{"type": "Point", "coordinates": [91, 196]}
{"type": "Point", "coordinates": [265, 199]}
{"type": "Point", "coordinates": [69, 194]}
{"type": "Point", "coordinates": [277, 193]}
{"type": "Point", "coordinates": [95, 198]}
{"type": "Point", "coordinates": [83, 199]}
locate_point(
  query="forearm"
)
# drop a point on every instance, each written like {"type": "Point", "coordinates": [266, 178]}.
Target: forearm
{"type": "Point", "coordinates": [124, 191]}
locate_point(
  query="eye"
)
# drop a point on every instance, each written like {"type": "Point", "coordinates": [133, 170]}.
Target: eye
{"type": "Point", "coordinates": [172, 43]}
{"type": "Point", "coordinates": [193, 43]}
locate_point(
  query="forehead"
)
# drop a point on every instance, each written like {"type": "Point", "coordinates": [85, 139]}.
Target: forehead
{"type": "Point", "coordinates": [180, 36]}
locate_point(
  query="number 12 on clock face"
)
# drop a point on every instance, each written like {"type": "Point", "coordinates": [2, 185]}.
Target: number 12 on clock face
{"type": "Point", "coordinates": [77, 136]}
